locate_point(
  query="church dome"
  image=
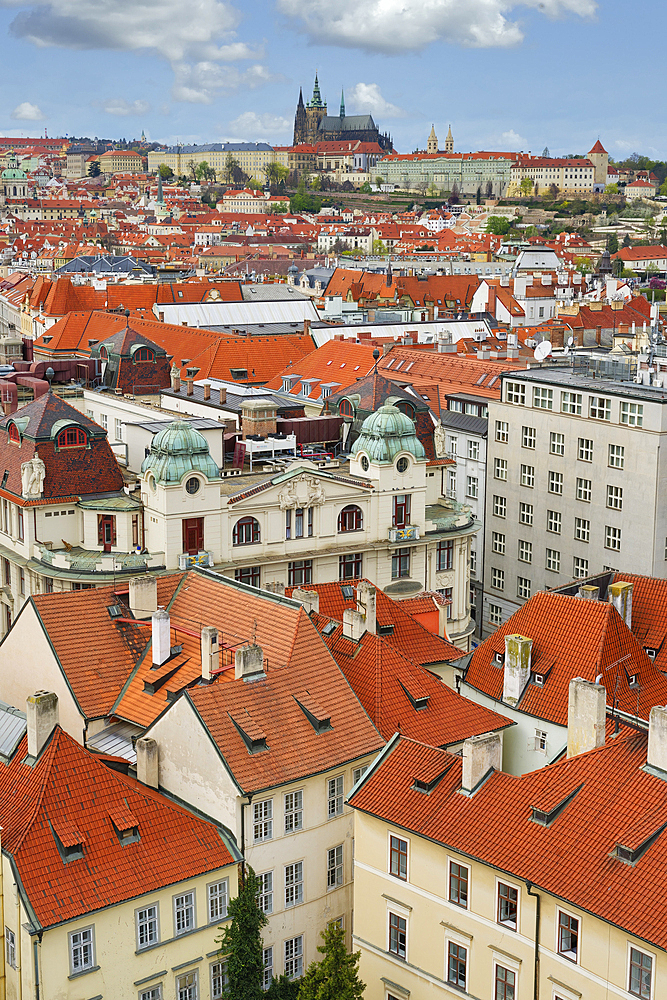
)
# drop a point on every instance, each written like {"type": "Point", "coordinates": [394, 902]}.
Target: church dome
{"type": "Point", "coordinates": [178, 450]}
{"type": "Point", "coordinates": [385, 434]}
{"type": "Point", "coordinates": [13, 171]}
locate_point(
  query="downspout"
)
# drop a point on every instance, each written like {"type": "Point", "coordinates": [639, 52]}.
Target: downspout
{"type": "Point", "coordinates": [36, 946]}
{"type": "Point", "coordinates": [243, 805]}
{"type": "Point", "coordinates": [3, 971]}
{"type": "Point", "coordinates": [536, 973]}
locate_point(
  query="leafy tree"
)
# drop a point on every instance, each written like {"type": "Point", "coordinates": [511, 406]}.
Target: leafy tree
{"type": "Point", "coordinates": [275, 173]}
{"type": "Point", "coordinates": [336, 976]}
{"type": "Point", "coordinates": [530, 231]}
{"type": "Point", "coordinates": [612, 243]}
{"type": "Point", "coordinates": [489, 189]}
{"type": "Point", "coordinates": [192, 169]}
{"type": "Point", "coordinates": [379, 181]}
{"type": "Point", "coordinates": [454, 196]}
{"type": "Point", "coordinates": [94, 169]}
{"type": "Point", "coordinates": [241, 941]}
{"type": "Point", "coordinates": [365, 188]}
{"type": "Point", "coordinates": [627, 242]}
{"type": "Point", "coordinates": [379, 247]}
{"type": "Point", "coordinates": [526, 186]}
{"type": "Point", "coordinates": [617, 267]}
{"type": "Point", "coordinates": [498, 225]}
{"type": "Point", "coordinates": [478, 196]}
{"type": "Point", "coordinates": [553, 190]}
{"type": "Point", "coordinates": [663, 188]}
{"type": "Point", "coordinates": [611, 189]}
{"type": "Point", "coordinates": [583, 265]}
{"type": "Point", "coordinates": [283, 988]}
{"type": "Point", "coordinates": [231, 166]}
{"type": "Point", "coordinates": [166, 173]}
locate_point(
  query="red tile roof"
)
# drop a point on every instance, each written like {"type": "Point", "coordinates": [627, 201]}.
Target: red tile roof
{"type": "Point", "coordinates": [649, 613]}
{"type": "Point", "coordinates": [262, 357]}
{"type": "Point", "coordinates": [339, 361]}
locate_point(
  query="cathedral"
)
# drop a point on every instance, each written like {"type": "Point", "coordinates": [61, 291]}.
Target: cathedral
{"type": "Point", "coordinates": [312, 123]}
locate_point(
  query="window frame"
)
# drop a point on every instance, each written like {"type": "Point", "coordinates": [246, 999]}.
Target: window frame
{"type": "Point", "coordinates": [498, 542]}
{"type": "Point", "coordinates": [265, 821]}
{"type": "Point", "coordinates": [78, 435]}
{"type": "Point", "coordinates": [209, 899]}
{"type": "Point", "coordinates": [244, 526]}
{"type": "Point", "coordinates": [499, 503]}
{"type": "Point", "coordinates": [184, 908]}
{"type": "Point", "coordinates": [554, 522]}
{"type": "Point", "coordinates": [445, 555]}
{"type": "Point", "coordinates": [524, 551]}
{"type": "Point", "coordinates": [137, 925]}
{"type": "Point", "coordinates": [598, 405]}
{"type": "Point", "coordinates": [296, 956]}
{"type": "Point", "coordinates": [575, 574]}
{"type": "Point", "coordinates": [515, 393]}
{"type": "Point", "coordinates": [267, 966]}
{"type": "Point", "coordinates": [396, 852]}
{"type": "Point", "coordinates": [453, 944]}
{"type": "Point", "coordinates": [293, 883]}
{"type": "Point", "coordinates": [556, 479]}
{"type": "Point", "coordinates": [293, 810]}
{"type": "Point", "coordinates": [495, 615]}
{"type": "Point", "coordinates": [10, 947]}
{"type": "Point", "coordinates": [529, 438]}
{"type": "Point", "coordinates": [394, 922]}
{"type": "Point", "coordinates": [266, 894]}
{"type": "Point", "coordinates": [618, 456]}
{"type": "Point", "coordinates": [552, 560]}
{"type": "Point", "coordinates": [350, 511]}
{"type": "Point", "coordinates": [502, 431]}
{"type": "Point", "coordinates": [524, 588]}
{"type": "Point", "coordinates": [337, 856]}
{"type": "Point", "coordinates": [614, 497]}
{"type": "Point", "coordinates": [581, 490]}
{"type": "Point", "coordinates": [507, 924]}
{"type": "Point", "coordinates": [543, 397]}
{"type": "Point", "coordinates": [642, 951]}
{"type": "Point", "coordinates": [634, 413]}
{"type": "Point", "coordinates": [578, 527]}
{"type": "Point", "coordinates": [337, 797]}
{"type": "Point", "coordinates": [570, 916]}
{"type": "Point", "coordinates": [612, 538]}
{"type": "Point", "coordinates": [500, 469]}
{"type": "Point", "coordinates": [451, 862]}
{"type": "Point", "coordinates": [472, 487]}
{"type": "Point", "coordinates": [571, 402]}
{"type": "Point", "coordinates": [527, 476]}
{"type": "Point", "coordinates": [556, 441]}
{"type": "Point", "coordinates": [182, 976]}
{"type": "Point", "coordinates": [90, 966]}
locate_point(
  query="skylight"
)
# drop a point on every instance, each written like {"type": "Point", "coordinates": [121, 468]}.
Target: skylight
{"type": "Point", "coordinates": [545, 817]}
{"type": "Point", "coordinates": [329, 629]}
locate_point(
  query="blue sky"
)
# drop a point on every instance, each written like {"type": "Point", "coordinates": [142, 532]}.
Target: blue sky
{"type": "Point", "coordinates": [505, 74]}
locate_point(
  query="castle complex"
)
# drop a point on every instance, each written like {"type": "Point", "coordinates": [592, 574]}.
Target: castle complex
{"type": "Point", "coordinates": [312, 124]}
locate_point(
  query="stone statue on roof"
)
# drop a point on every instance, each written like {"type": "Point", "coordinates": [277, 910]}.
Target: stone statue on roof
{"type": "Point", "coordinates": [439, 440]}
{"type": "Point", "coordinates": [32, 477]}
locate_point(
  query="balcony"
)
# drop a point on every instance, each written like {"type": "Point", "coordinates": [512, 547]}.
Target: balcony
{"type": "Point", "coordinates": [188, 559]}
{"type": "Point", "coordinates": [93, 561]}
{"type": "Point", "coordinates": [410, 533]}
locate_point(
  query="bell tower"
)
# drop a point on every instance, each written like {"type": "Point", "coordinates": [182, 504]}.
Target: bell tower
{"type": "Point", "coordinates": [432, 142]}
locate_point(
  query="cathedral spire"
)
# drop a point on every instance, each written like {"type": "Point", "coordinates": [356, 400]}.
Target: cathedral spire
{"type": "Point", "coordinates": [317, 97]}
{"type": "Point", "coordinates": [300, 104]}
{"type": "Point", "coordinates": [342, 103]}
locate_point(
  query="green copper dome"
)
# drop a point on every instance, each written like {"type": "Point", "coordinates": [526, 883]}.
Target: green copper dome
{"type": "Point", "coordinates": [13, 171]}
{"type": "Point", "coordinates": [385, 434]}
{"type": "Point", "coordinates": [178, 450]}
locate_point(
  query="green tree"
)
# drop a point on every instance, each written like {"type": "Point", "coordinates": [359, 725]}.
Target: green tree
{"type": "Point", "coordinates": [380, 181]}
{"type": "Point", "coordinates": [231, 166]}
{"type": "Point", "coordinates": [617, 267]}
{"type": "Point", "coordinates": [283, 988]}
{"type": "Point", "coordinates": [166, 173]}
{"type": "Point", "coordinates": [192, 169]}
{"type": "Point", "coordinates": [526, 186]}
{"type": "Point", "coordinates": [94, 169]}
{"type": "Point", "coordinates": [612, 243]}
{"type": "Point", "coordinates": [498, 225]}
{"type": "Point", "coordinates": [611, 189]}
{"type": "Point", "coordinates": [583, 265]}
{"type": "Point", "coordinates": [241, 941]}
{"type": "Point", "coordinates": [627, 242]}
{"type": "Point", "coordinates": [336, 976]}
{"type": "Point", "coordinates": [275, 173]}
{"type": "Point", "coordinates": [379, 247]}
{"type": "Point", "coordinates": [365, 188]}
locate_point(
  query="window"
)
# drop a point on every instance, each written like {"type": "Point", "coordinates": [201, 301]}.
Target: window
{"type": "Point", "coordinates": [515, 392]}
{"type": "Point", "coordinates": [335, 796]}
{"type": "Point", "coordinates": [21, 580]}
{"type": "Point", "coordinates": [505, 982]}
{"type": "Point", "coordinates": [523, 587]}
{"type": "Point", "coordinates": [147, 926]}
{"type": "Point", "coordinates": [495, 614]}
{"type": "Point", "coordinates": [543, 398]}
{"type": "Point", "coordinates": [10, 947]}
{"type": "Point", "coordinates": [584, 490]}
{"type": "Point", "coordinates": [580, 568]}
{"type": "Point", "coordinates": [615, 497]}
{"type": "Point", "coordinates": [451, 483]}
{"type": "Point", "coordinates": [81, 951]}
{"type": "Point", "coordinates": [267, 962]}
{"type": "Point", "coordinates": [553, 560]}
{"type": "Point", "coordinates": [152, 993]}
{"type": "Point", "coordinates": [568, 936]}
{"type": "Point", "coordinates": [502, 431]}
{"type": "Point", "coordinates": [294, 884]}
{"type": "Point", "coordinates": [294, 957]}
{"type": "Point", "coordinates": [262, 814]}
{"type": "Point", "coordinates": [351, 518]}
{"type": "Point", "coordinates": [500, 506]}
{"type": "Point", "coordinates": [118, 427]}
{"type": "Point", "coordinates": [498, 542]}
{"type": "Point", "coordinates": [359, 772]}
{"type": "Point", "coordinates": [452, 444]}
{"type": "Point", "coordinates": [219, 980]}
{"type": "Point", "coordinates": [570, 402]}
{"type": "Point", "coordinates": [457, 960]}
{"type": "Point", "coordinates": [528, 475]}
{"type": "Point", "coordinates": [525, 551]}
{"type": "Point", "coordinates": [265, 892]}
{"type": "Point", "coordinates": [186, 986]}
{"type": "Point", "coordinates": [582, 529]}
{"type": "Point", "coordinates": [398, 857]}
{"type": "Point", "coordinates": [612, 538]}
{"type": "Point", "coordinates": [473, 563]}
{"type": "Point", "coordinates": [335, 867]}
{"type": "Point", "coordinates": [632, 414]}
{"type": "Point", "coordinates": [508, 898]}
{"type": "Point", "coordinates": [248, 574]}
{"type": "Point", "coordinates": [293, 811]}
{"type": "Point", "coordinates": [401, 512]}
{"type": "Point", "coordinates": [599, 408]}
{"type": "Point", "coordinates": [144, 354]}
{"type": "Point", "coordinates": [445, 555]}
{"type": "Point", "coordinates": [217, 895]}
{"type": "Point", "coordinates": [14, 434]}
{"type": "Point", "coordinates": [473, 450]}
{"type": "Point", "coordinates": [554, 521]}
{"type": "Point", "coordinates": [246, 531]}
{"type": "Point", "coordinates": [345, 408]}
{"type": "Point", "coordinates": [400, 563]}
{"type": "Point", "coordinates": [184, 912]}
{"type": "Point", "coordinates": [616, 456]}
{"type": "Point", "coordinates": [19, 513]}
{"type": "Point", "coordinates": [528, 437]}
{"type": "Point", "coordinates": [556, 482]}
{"type": "Point", "coordinates": [526, 513]}
{"type": "Point", "coordinates": [73, 437]}
{"type": "Point", "coordinates": [458, 884]}
{"type": "Point", "coordinates": [498, 579]}
{"type": "Point", "coordinates": [641, 969]}
{"type": "Point", "coordinates": [397, 935]}
{"type": "Point", "coordinates": [299, 572]}
{"type": "Point", "coordinates": [557, 443]}
{"type": "Point", "coordinates": [585, 450]}
{"type": "Point", "coordinates": [472, 487]}
{"type": "Point", "coordinates": [500, 468]}
{"type": "Point", "coordinates": [350, 566]}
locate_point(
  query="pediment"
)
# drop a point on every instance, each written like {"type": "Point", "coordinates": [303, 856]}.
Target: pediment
{"type": "Point", "coordinates": [305, 488]}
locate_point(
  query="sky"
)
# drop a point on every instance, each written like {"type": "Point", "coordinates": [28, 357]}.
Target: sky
{"type": "Point", "coordinates": [507, 75]}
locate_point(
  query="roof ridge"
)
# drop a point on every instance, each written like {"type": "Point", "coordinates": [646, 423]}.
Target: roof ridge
{"type": "Point", "coordinates": [52, 746]}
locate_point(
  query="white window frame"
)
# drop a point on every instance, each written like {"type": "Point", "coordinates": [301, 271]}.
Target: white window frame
{"type": "Point", "coordinates": [556, 479]}
{"type": "Point", "coordinates": [498, 542]}
{"type": "Point", "coordinates": [585, 449]}
{"type": "Point", "coordinates": [138, 923]}
{"type": "Point", "coordinates": [529, 438]}
{"type": "Point", "coordinates": [183, 908]}
{"type": "Point", "coordinates": [524, 587]}
{"type": "Point", "coordinates": [543, 398]}
{"type": "Point", "coordinates": [528, 476]}
{"type": "Point", "coordinates": [223, 974]}
{"type": "Point", "coordinates": [90, 928]}
{"type": "Point", "coordinates": [500, 469]}
{"type": "Point", "coordinates": [645, 951]}
{"type": "Point", "coordinates": [525, 551]}
{"type": "Point", "coordinates": [575, 574]}
{"type": "Point", "coordinates": [472, 487]}
{"type": "Point", "coordinates": [184, 975]}
{"type": "Point", "coordinates": [473, 449]}
{"type": "Point", "coordinates": [583, 490]}
{"type": "Point", "coordinates": [293, 809]}
{"type": "Point", "coordinates": [525, 514]}
{"type": "Point", "coordinates": [267, 966]}
{"type": "Point", "coordinates": [554, 522]}
{"type": "Point", "coordinates": [359, 772]}
{"type": "Point", "coordinates": [502, 431]}
{"type": "Point", "coordinates": [512, 885]}
{"type": "Point", "coordinates": [496, 614]}
{"type": "Point", "coordinates": [336, 797]}
{"type": "Point", "coordinates": [552, 560]}
{"type": "Point", "coordinates": [297, 941]}
{"type": "Point", "coordinates": [262, 821]}
{"type": "Point", "coordinates": [614, 497]}
{"type": "Point", "coordinates": [10, 947]}
{"type": "Point", "coordinates": [293, 880]}
{"type": "Point", "coordinates": [499, 503]}
{"type": "Point", "coordinates": [497, 578]}
{"type": "Point", "coordinates": [599, 408]}
{"type": "Point", "coordinates": [571, 402]}
{"type": "Point", "coordinates": [631, 415]}
{"type": "Point", "coordinates": [574, 916]}
{"type": "Point", "coordinates": [266, 895]}
{"type": "Point", "coordinates": [152, 992]}
{"type": "Point", "coordinates": [214, 893]}
{"type": "Point", "coordinates": [578, 527]}
{"type": "Point", "coordinates": [616, 456]}
{"type": "Point", "coordinates": [612, 538]}
{"type": "Point", "coordinates": [337, 855]}
{"type": "Point", "coordinates": [515, 393]}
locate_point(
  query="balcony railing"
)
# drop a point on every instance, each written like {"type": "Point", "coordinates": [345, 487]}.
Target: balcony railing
{"type": "Point", "coordinates": [187, 559]}
{"type": "Point", "coordinates": [410, 533]}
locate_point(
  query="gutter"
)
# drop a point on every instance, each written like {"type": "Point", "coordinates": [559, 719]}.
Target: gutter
{"type": "Point", "coordinates": [536, 971]}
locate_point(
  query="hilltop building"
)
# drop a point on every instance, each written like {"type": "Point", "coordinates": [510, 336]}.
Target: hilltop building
{"type": "Point", "coordinates": [313, 124]}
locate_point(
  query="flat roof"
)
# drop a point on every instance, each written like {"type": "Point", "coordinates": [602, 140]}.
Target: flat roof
{"type": "Point", "coordinates": [589, 383]}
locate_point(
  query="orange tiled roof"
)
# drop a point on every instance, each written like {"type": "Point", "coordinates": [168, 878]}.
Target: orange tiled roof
{"type": "Point", "coordinates": [649, 613]}
{"type": "Point", "coordinates": [262, 357]}
{"type": "Point", "coordinates": [339, 361]}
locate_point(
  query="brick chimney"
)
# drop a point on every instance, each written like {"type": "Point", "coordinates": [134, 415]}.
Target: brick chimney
{"type": "Point", "coordinates": [518, 652]}
{"type": "Point", "coordinates": [480, 755]}
{"type": "Point", "coordinates": [42, 718]}
{"type": "Point", "coordinates": [210, 652]}
{"type": "Point", "coordinates": [147, 761]}
{"type": "Point", "coordinates": [143, 596]}
{"type": "Point", "coordinates": [586, 715]}
{"type": "Point", "coordinates": [258, 416]}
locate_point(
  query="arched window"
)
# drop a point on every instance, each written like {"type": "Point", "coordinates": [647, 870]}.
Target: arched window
{"type": "Point", "coordinates": [72, 437]}
{"type": "Point", "coordinates": [406, 408]}
{"type": "Point", "coordinates": [144, 354]}
{"type": "Point", "coordinates": [246, 531]}
{"type": "Point", "coordinates": [345, 408]}
{"type": "Point", "coordinates": [351, 518]}
{"type": "Point", "coordinates": [14, 434]}
{"type": "Point", "coordinates": [104, 354]}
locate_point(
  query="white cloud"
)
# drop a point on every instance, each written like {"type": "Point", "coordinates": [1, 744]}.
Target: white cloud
{"type": "Point", "coordinates": [367, 97]}
{"type": "Point", "coordinates": [27, 112]}
{"type": "Point", "coordinates": [251, 127]}
{"type": "Point", "coordinates": [119, 106]}
{"type": "Point", "coordinates": [513, 140]}
{"type": "Point", "coordinates": [395, 26]}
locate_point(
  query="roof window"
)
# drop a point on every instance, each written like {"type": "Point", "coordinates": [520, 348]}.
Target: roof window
{"type": "Point", "coordinates": [347, 592]}
{"type": "Point", "coordinates": [632, 855]}
{"type": "Point", "coordinates": [329, 629]}
{"type": "Point", "coordinates": [238, 373]}
{"type": "Point", "coordinates": [385, 629]}
{"type": "Point", "coordinates": [69, 840]}
{"type": "Point", "coordinates": [418, 701]}
{"type": "Point", "coordinates": [545, 817]}
{"type": "Point", "coordinates": [115, 611]}
{"type": "Point", "coordinates": [426, 785]}
{"type": "Point", "coordinates": [319, 720]}
{"type": "Point", "coordinates": [498, 659]}
{"type": "Point", "coordinates": [538, 679]}
{"type": "Point", "coordinates": [125, 824]}
{"type": "Point", "coordinates": [650, 652]}
{"type": "Point", "coordinates": [250, 733]}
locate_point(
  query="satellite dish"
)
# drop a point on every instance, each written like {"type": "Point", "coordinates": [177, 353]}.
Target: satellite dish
{"type": "Point", "coordinates": [570, 341]}
{"type": "Point", "coordinates": [542, 350]}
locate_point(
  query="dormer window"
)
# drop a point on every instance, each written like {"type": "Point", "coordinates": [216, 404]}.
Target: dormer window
{"type": "Point", "coordinates": [633, 681]}
{"type": "Point", "coordinates": [498, 659]}
{"type": "Point", "coordinates": [539, 679]}
{"type": "Point", "coordinates": [14, 434]}
{"type": "Point", "coordinates": [72, 437]}
{"type": "Point", "coordinates": [651, 653]}
{"type": "Point", "coordinates": [143, 354]}
{"type": "Point", "coordinates": [104, 354]}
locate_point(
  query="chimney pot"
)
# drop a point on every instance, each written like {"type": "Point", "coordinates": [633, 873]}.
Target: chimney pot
{"type": "Point", "coordinates": [42, 718]}
{"type": "Point", "coordinates": [210, 652]}
{"type": "Point", "coordinates": [147, 761]}
{"type": "Point", "coordinates": [207, 390]}
{"type": "Point", "coordinates": [657, 738]}
{"type": "Point", "coordinates": [480, 755]}
{"type": "Point", "coordinates": [586, 716]}
{"type": "Point", "coordinates": [354, 624]}
{"type": "Point", "coordinates": [518, 654]}
{"type": "Point", "coordinates": [249, 663]}
{"type": "Point", "coordinates": [620, 595]}
{"type": "Point", "coordinates": [143, 596]}
{"type": "Point", "coordinates": [589, 593]}
{"type": "Point", "coordinates": [223, 394]}
{"type": "Point", "coordinates": [161, 636]}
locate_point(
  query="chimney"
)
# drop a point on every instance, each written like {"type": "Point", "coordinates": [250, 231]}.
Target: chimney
{"type": "Point", "coordinates": [620, 595]}
{"type": "Point", "coordinates": [589, 593]}
{"type": "Point", "coordinates": [366, 605]}
{"type": "Point", "coordinates": [143, 596]}
{"type": "Point", "coordinates": [306, 326]}
{"type": "Point", "coordinates": [207, 390]}
{"type": "Point", "coordinates": [354, 624]}
{"type": "Point", "coordinates": [175, 383]}
{"type": "Point", "coordinates": [249, 663]}
{"type": "Point", "coordinates": [210, 652]}
{"type": "Point", "coordinates": [147, 761]}
{"type": "Point", "coordinates": [657, 738]}
{"type": "Point", "coordinates": [161, 637]}
{"type": "Point", "coordinates": [42, 717]}
{"type": "Point", "coordinates": [442, 621]}
{"type": "Point", "coordinates": [310, 599]}
{"type": "Point", "coordinates": [480, 755]}
{"type": "Point", "coordinates": [190, 388]}
{"type": "Point", "coordinates": [223, 394]}
{"type": "Point", "coordinates": [518, 652]}
{"type": "Point", "coordinates": [586, 716]}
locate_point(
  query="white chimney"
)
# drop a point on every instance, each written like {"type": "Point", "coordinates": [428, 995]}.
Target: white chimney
{"type": "Point", "coordinates": [143, 596]}
{"type": "Point", "coordinates": [161, 637]}
{"type": "Point", "coordinates": [589, 593]}
{"type": "Point", "coordinates": [366, 605]}
{"type": "Point", "coordinates": [249, 663]}
{"type": "Point", "coordinates": [518, 655]}
{"type": "Point", "coordinates": [657, 738]}
{"type": "Point", "coordinates": [42, 718]}
{"type": "Point", "coordinates": [620, 595]}
{"type": "Point", "coordinates": [480, 754]}
{"type": "Point", "coordinates": [354, 624]}
{"type": "Point", "coordinates": [310, 599]}
{"type": "Point", "coordinates": [210, 652]}
{"type": "Point", "coordinates": [586, 716]}
{"type": "Point", "coordinates": [147, 761]}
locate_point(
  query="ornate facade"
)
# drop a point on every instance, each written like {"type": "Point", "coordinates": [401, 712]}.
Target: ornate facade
{"type": "Point", "coordinates": [313, 124]}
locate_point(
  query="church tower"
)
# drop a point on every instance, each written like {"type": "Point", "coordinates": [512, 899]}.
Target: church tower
{"type": "Point", "coordinates": [599, 157]}
{"type": "Point", "coordinates": [449, 141]}
{"type": "Point", "coordinates": [300, 125]}
{"type": "Point", "coordinates": [432, 141]}
{"type": "Point", "coordinates": [342, 103]}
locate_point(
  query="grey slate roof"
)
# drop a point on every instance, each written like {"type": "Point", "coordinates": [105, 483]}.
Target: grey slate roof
{"type": "Point", "coordinates": [464, 422]}
{"type": "Point", "coordinates": [12, 727]}
{"type": "Point", "coordinates": [350, 123]}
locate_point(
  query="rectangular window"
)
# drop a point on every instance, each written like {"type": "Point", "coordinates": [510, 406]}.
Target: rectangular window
{"type": "Point", "coordinates": [10, 947]}
{"type": "Point", "coordinates": [568, 936]}
{"type": "Point", "coordinates": [508, 898]}
{"type": "Point", "coordinates": [265, 892]}
{"type": "Point", "coordinates": [397, 935]}
{"type": "Point", "coordinates": [457, 961]}
{"type": "Point", "coordinates": [556, 482]}
{"type": "Point", "coordinates": [528, 475]}
{"type": "Point", "coordinates": [21, 580]}
{"type": "Point", "coordinates": [451, 483]}
{"type": "Point", "coordinates": [400, 563]}
{"type": "Point", "coordinates": [528, 437]}
{"type": "Point", "coordinates": [500, 506]}
{"type": "Point", "coordinates": [472, 487]}
{"type": "Point", "coordinates": [359, 772]}
{"type": "Point", "coordinates": [152, 993]}
{"type": "Point", "coordinates": [335, 867]}
{"type": "Point", "coordinates": [498, 542]}
{"type": "Point", "coordinates": [104, 421]}
{"type": "Point", "coordinates": [553, 560]}
{"type": "Point", "coordinates": [557, 443]}
{"type": "Point", "coordinates": [300, 572]}
{"type": "Point", "coordinates": [580, 568]}
{"type": "Point", "coordinates": [445, 555]}
{"type": "Point", "coordinates": [525, 551]}
{"type": "Point", "coordinates": [294, 957]}
{"type": "Point", "coordinates": [473, 450]}
{"type": "Point", "coordinates": [502, 431]}
{"type": "Point", "coordinates": [500, 468]}
{"type": "Point", "coordinates": [632, 414]}
{"type": "Point", "coordinates": [473, 563]}
{"type": "Point", "coordinates": [335, 796]}
{"type": "Point", "coordinates": [495, 614]}
{"type": "Point", "coordinates": [585, 450]}
{"type": "Point", "coordinates": [526, 513]}
{"type": "Point", "coordinates": [147, 926]}
{"type": "Point", "coordinates": [248, 575]}
{"type": "Point", "coordinates": [498, 579]}
{"type": "Point", "coordinates": [599, 408]}
{"type": "Point", "coordinates": [217, 896]}
{"type": "Point", "coordinates": [616, 456]}
{"type": "Point", "coordinates": [615, 497]}
{"type": "Point", "coordinates": [267, 974]}
{"type": "Point", "coordinates": [19, 513]}
{"type": "Point", "coordinates": [288, 524]}
{"type": "Point", "coordinates": [582, 529]}
{"type": "Point", "coordinates": [515, 392]}
{"type": "Point", "coordinates": [505, 984]}
{"type": "Point", "coordinates": [612, 538]}
{"type": "Point", "coordinates": [118, 427]}
{"type": "Point", "coordinates": [570, 402]}
{"type": "Point", "coordinates": [219, 980]}
{"type": "Point", "coordinates": [458, 884]}
{"type": "Point", "coordinates": [401, 511]}
{"type": "Point", "coordinates": [293, 811]}
{"type": "Point", "coordinates": [584, 490]}
{"type": "Point", "coordinates": [184, 913]}
{"type": "Point", "coordinates": [350, 565]}
{"type": "Point", "coordinates": [523, 587]}
{"type": "Point", "coordinates": [398, 857]}
{"type": "Point", "coordinates": [294, 884]}
{"type": "Point", "coordinates": [186, 986]}
{"type": "Point", "coordinates": [452, 444]}
{"type": "Point", "coordinates": [641, 969]}
{"type": "Point", "coordinates": [262, 815]}
{"type": "Point", "coordinates": [81, 951]}
{"type": "Point", "coordinates": [543, 398]}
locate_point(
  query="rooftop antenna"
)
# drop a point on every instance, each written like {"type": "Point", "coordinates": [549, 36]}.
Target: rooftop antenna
{"type": "Point", "coordinates": [543, 350]}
